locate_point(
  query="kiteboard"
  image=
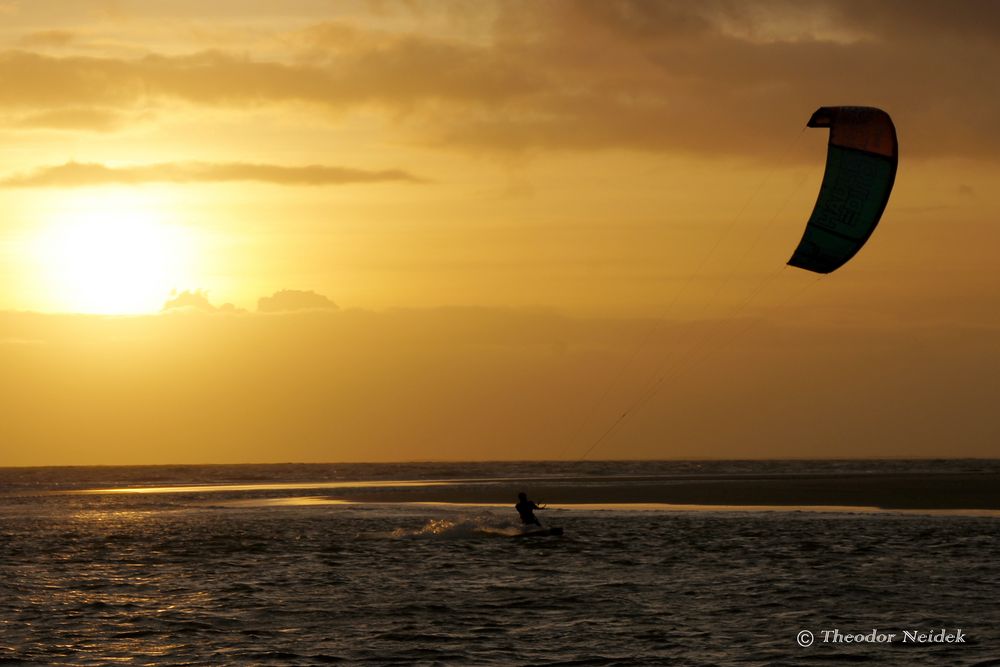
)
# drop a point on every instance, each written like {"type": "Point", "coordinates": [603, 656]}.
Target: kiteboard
{"type": "Point", "coordinates": [540, 532]}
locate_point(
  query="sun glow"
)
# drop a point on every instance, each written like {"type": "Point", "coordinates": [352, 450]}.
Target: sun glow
{"type": "Point", "coordinates": [112, 252]}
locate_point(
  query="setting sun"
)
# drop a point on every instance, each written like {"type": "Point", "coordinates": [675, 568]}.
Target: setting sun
{"type": "Point", "coordinates": [111, 252]}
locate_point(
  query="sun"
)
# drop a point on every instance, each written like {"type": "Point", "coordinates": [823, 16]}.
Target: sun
{"type": "Point", "coordinates": [111, 251]}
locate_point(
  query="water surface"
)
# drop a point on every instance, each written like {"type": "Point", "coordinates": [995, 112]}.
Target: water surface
{"type": "Point", "coordinates": [266, 567]}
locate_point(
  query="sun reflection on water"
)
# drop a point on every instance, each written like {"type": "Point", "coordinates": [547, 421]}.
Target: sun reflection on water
{"type": "Point", "coordinates": [111, 517]}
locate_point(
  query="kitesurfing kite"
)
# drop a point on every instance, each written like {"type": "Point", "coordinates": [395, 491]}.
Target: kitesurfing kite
{"type": "Point", "coordinates": [860, 169]}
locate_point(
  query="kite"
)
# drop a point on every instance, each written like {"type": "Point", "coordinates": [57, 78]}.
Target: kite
{"type": "Point", "coordinates": [860, 170]}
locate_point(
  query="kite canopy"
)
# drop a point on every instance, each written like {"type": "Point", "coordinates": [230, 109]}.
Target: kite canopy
{"type": "Point", "coordinates": [860, 169]}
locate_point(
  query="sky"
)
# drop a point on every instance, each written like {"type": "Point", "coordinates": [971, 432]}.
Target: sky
{"type": "Point", "coordinates": [301, 230]}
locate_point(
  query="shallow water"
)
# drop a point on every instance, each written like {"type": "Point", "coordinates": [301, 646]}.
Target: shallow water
{"type": "Point", "coordinates": [253, 576]}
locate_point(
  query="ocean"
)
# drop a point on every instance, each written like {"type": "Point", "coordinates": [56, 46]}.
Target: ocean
{"type": "Point", "coordinates": [279, 565]}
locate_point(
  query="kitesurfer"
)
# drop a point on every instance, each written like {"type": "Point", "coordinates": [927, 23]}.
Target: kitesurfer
{"type": "Point", "coordinates": [526, 508]}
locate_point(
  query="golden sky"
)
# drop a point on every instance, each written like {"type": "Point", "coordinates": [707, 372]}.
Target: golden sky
{"type": "Point", "coordinates": [301, 230]}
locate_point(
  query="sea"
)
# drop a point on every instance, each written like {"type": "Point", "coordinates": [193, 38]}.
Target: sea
{"type": "Point", "coordinates": [273, 565]}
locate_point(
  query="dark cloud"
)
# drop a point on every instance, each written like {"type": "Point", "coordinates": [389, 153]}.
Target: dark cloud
{"type": "Point", "coordinates": [915, 20]}
{"type": "Point", "coordinates": [712, 77]}
{"type": "Point", "coordinates": [292, 300]}
{"type": "Point", "coordinates": [79, 174]}
{"type": "Point", "coordinates": [722, 77]}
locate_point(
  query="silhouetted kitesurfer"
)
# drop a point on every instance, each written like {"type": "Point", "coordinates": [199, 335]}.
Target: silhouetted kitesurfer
{"type": "Point", "coordinates": [526, 508]}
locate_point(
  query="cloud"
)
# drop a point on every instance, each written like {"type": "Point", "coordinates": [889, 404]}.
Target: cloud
{"type": "Point", "coordinates": [196, 301]}
{"type": "Point", "coordinates": [190, 300]}
{"type": "Point", "coordinates": [712, 78]}
{"type": "Point", "coordinates": [49, 38]}
{"type": "Point", "coordinates": [292, 300]}
{"type": "Point", "coordinates": [80, 174]}
{"type": "Point", "coordinates": [723, 78]}
{"type": "Point", "coordinates": [408, 71]}
{"type": "Point", "coordinates": [90, 119]}
{"type": "Point", "coordinates": [282, 301]}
